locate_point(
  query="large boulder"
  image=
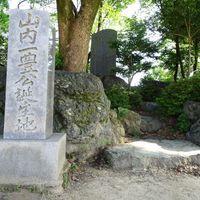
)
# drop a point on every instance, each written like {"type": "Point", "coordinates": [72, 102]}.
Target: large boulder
{"type": "Point", "coordinates": [82, 111]}
{"type": "Point", "coordinates": [110, 81]}
{"type": "Point", "coordinates": [194, 134]}
{"type": "Point", "coordinates": [192, 110]}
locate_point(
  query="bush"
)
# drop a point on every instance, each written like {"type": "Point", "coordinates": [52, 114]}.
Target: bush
{"type": "Point", "coordinates": [59, 63]}
{"type": "Point", "coordinates": [151, 89]}
{"type": "Point", "coordinates": [135, 99]}
{"type": "Point", "coordinates": [122, 113]}
{"type": "Point", "coordinates": [175, 95]}
{"type": "Point", "coordinates": [118, 96]}
{"type": "Point", "coordinates": [183, 123]}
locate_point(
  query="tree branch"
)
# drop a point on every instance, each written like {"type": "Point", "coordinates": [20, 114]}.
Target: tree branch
{"type": "Point", "coordinates": [74, 9]}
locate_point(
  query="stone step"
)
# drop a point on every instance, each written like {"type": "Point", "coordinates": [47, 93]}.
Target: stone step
{"type": "Point", "coordinates": [152, 153]}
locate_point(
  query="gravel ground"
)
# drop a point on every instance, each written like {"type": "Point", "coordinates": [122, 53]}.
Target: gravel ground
{"type": "Point", "coordinates": [105, 184]}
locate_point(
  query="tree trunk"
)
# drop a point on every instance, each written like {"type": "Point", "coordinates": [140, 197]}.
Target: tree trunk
{"type": "Point", "coordinates": [100, 18]}
{"type": "Point", "coordinates": [178, 56]}
{"type": "Point", "coordinates": [176, 72]}
{"type": "Point", "coordinates": [74, 32]}
{"type": "Point", "coordinates": [196, 55]}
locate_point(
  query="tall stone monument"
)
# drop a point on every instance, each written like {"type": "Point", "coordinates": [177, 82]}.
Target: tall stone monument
{"type": "Point", "coordinates": [103, 55]}
{"type": "Point", "coordinates": [29, 152]}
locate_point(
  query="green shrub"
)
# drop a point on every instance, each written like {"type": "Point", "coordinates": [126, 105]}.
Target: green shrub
{"type": "Point", "coordinates": [174, 96]}
{"type": "Point", "coordinates": [183, 123]}
{"type": "Point", "coordinates": [59, 63]}
{"type": "Point", "coordinates": [151, 89]}
{"type": "Point", "coordinates": [135, 99]}
{"type": "Point", "coordinates": [122, 113]}
{"type": "Point", "coordinates": [118, 96]}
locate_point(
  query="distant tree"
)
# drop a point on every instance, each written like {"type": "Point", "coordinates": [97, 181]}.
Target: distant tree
{"type": "Point", "coordinates": [135, 51]}
{"type": "Point", "coordinates": [178, 21]}
{"type": "Point", "coordinates": [109, 13]}
{"type": "Point", "coordinates": [3, 31]}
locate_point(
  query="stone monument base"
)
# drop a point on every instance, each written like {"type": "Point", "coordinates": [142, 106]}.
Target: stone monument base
{"type": "Point", "coordinates": [32, 162]}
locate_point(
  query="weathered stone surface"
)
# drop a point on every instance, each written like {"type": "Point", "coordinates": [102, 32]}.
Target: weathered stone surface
{"type": "Point", "coordinates": [131, 122]}
{"type": "Point", "coordinates": [82, 111]}
{"type": "Point", "coordinates": [150, 124]}
{"type": "Point", "coordinates": [148, 154]}
{"type": "Point", "coordinates": [31, 162]}
{"type": "Point", "coordinates": [109, 81]}
{"type": "Point", "coordinates": [194, 134]}
{"type": "Point", "coordinates": [28, 107]}
{"type": "Point", "coordinates": [117, 128]}
{"type": "Point", "coordinates": [103, 55]}
{"type": "Point", "coordinates": [149, 106]}
{"type": "Point", "coordinates": [25, 158]}
{"type": "Point", "coordinates": [192, 110]}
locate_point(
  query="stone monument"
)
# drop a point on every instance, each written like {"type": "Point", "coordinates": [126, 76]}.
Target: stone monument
{"type": "Point", "coordinates": [103, 55]}
{"type": "Point", "coordinates": [29, 152]}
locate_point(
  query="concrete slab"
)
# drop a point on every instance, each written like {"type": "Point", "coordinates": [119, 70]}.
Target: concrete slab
{"type": "Point", "coordinates": [32, 162]}
{"type": "Point", "coordinates": [145, 154]}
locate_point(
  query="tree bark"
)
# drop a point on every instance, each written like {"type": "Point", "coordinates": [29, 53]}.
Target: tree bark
{"type": "Point", "coordinates": [176, 72]}
{"type": "Point", "coordinates": [74, 32]}
{"type": "Point", "coordinates": [178, 56]}
{"type": "Point", "coordinates": [177, 59]}
{"type": "Point", "coordinates": [196, 55]}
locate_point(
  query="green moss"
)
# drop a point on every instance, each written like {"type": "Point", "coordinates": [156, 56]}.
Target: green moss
{"type": "Point", "coordinates": [18, 188]}
{"type": "Point", "coordinates": [86, 97]}
{"type": "Point", "coordinates": [10, 188]}
{"type": "Point", "coordinates": [104, 142]}
{"type": "Point", "coordinates": [66, 180]}
{"type": "Point", "coordinates": [84, 147]}
{"type": "Point", "coordinates": [136, 133]}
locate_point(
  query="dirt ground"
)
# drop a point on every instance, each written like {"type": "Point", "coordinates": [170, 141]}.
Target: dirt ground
{"type": "Point", "coordinates": [105, 184]}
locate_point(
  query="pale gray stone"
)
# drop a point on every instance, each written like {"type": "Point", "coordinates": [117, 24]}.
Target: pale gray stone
{"type": "Point", "coordinates": [149, 154]}
{"type": "Point", "coordinates": [28, 110]}
{"type": "Point", "coordinates": [103, 55]}
{"type": "Point", "coordinates": [150, 124]}
{"type": "Point", "coordinates": [32, 162]}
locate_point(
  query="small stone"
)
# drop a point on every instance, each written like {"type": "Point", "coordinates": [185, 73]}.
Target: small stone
{"type": "Point", "coordinates": [194, 134]}
{"type": "Point", "coordinates": [192, 110]}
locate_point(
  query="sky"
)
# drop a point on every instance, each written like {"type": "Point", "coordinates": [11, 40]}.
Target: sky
{"type": "Point", "coordinates": [13, 3]}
